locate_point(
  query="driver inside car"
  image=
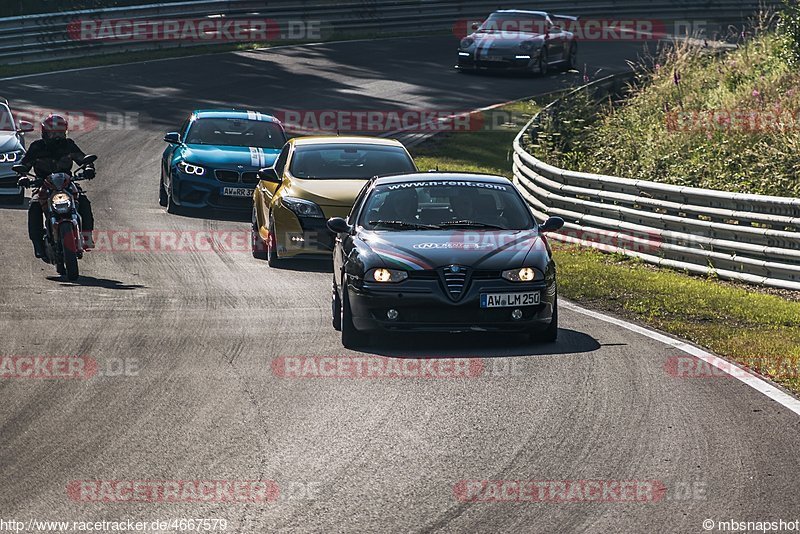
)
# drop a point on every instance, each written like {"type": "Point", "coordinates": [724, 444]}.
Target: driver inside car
{"type": "Point", "coordinates": [54, 152]}
{"type": "Point", "coordinates": [400, 206]}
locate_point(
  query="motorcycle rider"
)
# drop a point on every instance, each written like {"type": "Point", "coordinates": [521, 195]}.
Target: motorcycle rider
{"type": "Point", "coordinates": [54, 152]}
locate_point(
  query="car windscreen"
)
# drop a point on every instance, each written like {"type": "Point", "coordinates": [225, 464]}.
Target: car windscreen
{"type": "Point", "coordinates": [445, 204]}
{"type": "Point", "coordinates": [514, 23]}
{"type": "Point", "coordinates": [349, 161]}
{"type": "Point", "coordinates": [235, 132]}
{"type": "Point", "coordinates": [6, 120]}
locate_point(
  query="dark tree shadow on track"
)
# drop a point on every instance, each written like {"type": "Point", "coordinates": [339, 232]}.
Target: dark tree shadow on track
{"type": "Point", "coordinates": [91, 281]}
{"type": "Point", "coordinates": [474, 345]}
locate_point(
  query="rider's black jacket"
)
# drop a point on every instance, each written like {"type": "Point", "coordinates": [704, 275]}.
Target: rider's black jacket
{"type": "Point", "coordinates": [47, 157]}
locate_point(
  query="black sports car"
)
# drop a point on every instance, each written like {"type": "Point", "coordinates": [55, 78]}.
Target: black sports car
{"type": "Point", "coordinates": [442, 252]}
{"type": "Point", "coordinates": [530, 41]}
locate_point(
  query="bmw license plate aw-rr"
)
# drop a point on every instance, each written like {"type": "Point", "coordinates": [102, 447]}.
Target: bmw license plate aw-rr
{"type": "Point", "coordinates": [237, 192]}
{"type": "Point", "coordinates": [510, 300]}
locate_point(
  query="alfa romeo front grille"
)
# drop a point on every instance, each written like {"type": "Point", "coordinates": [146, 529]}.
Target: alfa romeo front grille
{"type": "Point", "coordinates": [455, 280]}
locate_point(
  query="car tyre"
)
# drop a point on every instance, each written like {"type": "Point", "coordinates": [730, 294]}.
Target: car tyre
{"type": "Point", "coordinates": [259, 248]}
{"type": "Point", "coordinates": [163, 198]}
{"type": "Point", "coordinates": [543, 64]}
{"type": "Point", "coordinates": [352, 338]}
{"type": "Point", "coordinates": [336, 309]}
{"type": "Point", "coordinates": [172, 208]}
{"type": "Point", "coordinates": [272, 245]}
{"type": "Point", "coordinates": [550, 333]}
{"type": "Point", "coordinates": [572, 57]}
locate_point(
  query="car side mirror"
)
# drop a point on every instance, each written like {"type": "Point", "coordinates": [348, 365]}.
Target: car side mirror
{"type": "Point", "coordinates": [20, 169]}
{"type": "Point", "coordinates": [553, 224]}
{"type": "Point", "coordinates": [269, 174]}
{"type": "Point", "coordinates": [173, 138]}
{"type": "Point", "coordinates": [476, 25]}
{"type": "Point", "coordinates": [24, 127]}
{"type": "Point", "coordinates": [89, 159]}
{"type": "Point", "coordinates": [337, 225]}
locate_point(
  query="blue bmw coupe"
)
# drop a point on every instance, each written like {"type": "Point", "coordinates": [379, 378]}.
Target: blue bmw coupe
{"type": "Point", "coordinates": [213, 161]}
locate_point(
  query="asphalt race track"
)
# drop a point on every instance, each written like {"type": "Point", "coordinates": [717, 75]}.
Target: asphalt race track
{"type": "Point", "coordinates": [186, 341]}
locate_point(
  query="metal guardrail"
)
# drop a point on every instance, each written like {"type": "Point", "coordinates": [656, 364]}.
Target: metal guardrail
{"type": "Point", "coordinates": [38, 38]}
{"type": "Point", "coordinates": [735, 236]}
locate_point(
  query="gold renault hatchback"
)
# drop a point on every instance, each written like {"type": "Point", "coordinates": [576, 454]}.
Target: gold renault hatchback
{"type": "Point", "coordinates": [312, 180]}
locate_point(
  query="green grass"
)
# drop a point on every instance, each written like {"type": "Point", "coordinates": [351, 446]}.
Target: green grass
{"type": "Point", "coordinates": [745, 324]}
{"type": "Point", "coordinates": [642, 138]}
{"type": "Point", "coordinates": [487, 151]}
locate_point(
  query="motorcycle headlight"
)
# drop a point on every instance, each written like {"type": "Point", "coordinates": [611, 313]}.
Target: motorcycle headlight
{"type": "Point", "coordinates": [526, 274]}
{"type": "Point", "coordinates": [466, 42]}
{"type": "Point", "coordinates": [11, 157]}
{"type": "Point", "coordinates": [303, 208]}
{"type": "Point", "coordinates": [61, 202]}
{"type": "Point", "coordinates": [188, 168]}
{"type": "Point", "coordinates": [386, 276]}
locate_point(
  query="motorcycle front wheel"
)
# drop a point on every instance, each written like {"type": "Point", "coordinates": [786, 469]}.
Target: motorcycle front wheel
{"type": "Point", "coordinates": [69, 250]}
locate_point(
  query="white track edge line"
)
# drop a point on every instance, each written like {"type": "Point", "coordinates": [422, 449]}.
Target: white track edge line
{"type": "Point", "coordinates": [743, 375]}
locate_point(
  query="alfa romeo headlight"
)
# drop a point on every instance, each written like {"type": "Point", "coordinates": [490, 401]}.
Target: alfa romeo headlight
{"type": "Point", "coordinates": [303, 208]}
{"type": "Point", "coordinates": [386, 275]}
{"type": "Point", "coordinates": [526, 274]}
{"type": "Point", "coordinates": [527, 46]}
{"type": "Point", "coordinates": [188, 168]}
{"type": "Point", "coordinates": [466, 42]}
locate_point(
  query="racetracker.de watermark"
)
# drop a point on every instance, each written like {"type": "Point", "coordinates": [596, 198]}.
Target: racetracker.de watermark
{"type": "Point", "coordinates": [560, 491]}
{"type": "Point", "coordinates": [611, 241]}
{"type": "Point", "coordinates": [173, 491]}
{"type": "Point", "coordinates": [172, 241]}
{"type": "Point", "coordinates": [734, 120]}
{"type": "Point", "coordinates": [376, 367]}
{"type": "Point", "coordinates": [79, 120]}
{"type": "Point", "coordinates": [583, 29]}
{"type": "Point", "coordinates": [397, 120]}
{"type": "Point", "coordinates": [208, 29]}
{"type": "Point", "coordinates": [778, 368]}
{"type": "Point", "coordinates": [65, 367]}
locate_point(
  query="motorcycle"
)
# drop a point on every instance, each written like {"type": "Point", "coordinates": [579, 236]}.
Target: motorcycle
{"type": "Point", "coordinates": [58, 195]}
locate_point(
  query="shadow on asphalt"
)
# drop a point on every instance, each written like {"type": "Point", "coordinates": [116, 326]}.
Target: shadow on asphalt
{"type": "Point", "coordinates": [306, 266]}
{"type": "Point", "coordinates": [8, 205]}
{"type": "Point", "coordinates": [214, 214]}
{"type": "Point", "coordinates": [484, 345]}
{"type": "Point", "coordinates": [91, 281]}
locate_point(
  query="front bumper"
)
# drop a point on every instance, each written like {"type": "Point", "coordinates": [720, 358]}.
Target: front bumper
{"type": "Point", "coordinates": [505, 62]}
{"type": "Point", "coordinates": [424, 306]}
{"type": "Point", "coordinates": [306, 237]}
{"type": "Point", "coordinates": [201, 192]}
{"type": "Point", "coordinates": [8, 185]}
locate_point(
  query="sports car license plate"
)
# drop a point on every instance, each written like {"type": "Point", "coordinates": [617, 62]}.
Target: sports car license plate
{"type": "Point", "coordinates": [510, 300]}
{"type": "Point", "coordinates": [237, 192]}
{"type": "Point", "coordinates": [493, 58]}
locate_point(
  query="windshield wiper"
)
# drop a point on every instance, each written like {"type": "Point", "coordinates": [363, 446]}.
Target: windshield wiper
{"type": "Point", "coordinates": [473, 224]}
{"type": "Point", "coordinates": [405, 225]}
